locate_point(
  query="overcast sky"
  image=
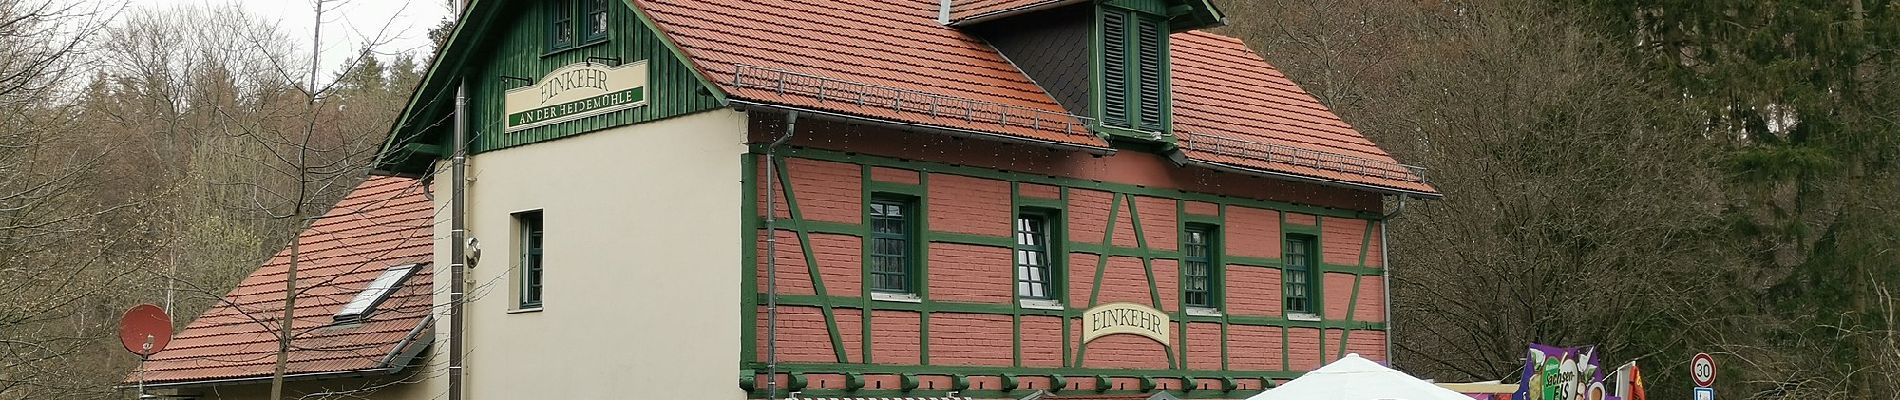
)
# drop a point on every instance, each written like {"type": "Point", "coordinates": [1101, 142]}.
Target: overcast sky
{"type": "Point", "coordinates": [349, 22]}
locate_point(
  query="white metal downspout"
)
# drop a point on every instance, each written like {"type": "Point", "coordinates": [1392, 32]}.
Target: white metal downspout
{"type": "Point", "coordinates": [771, 256]}
{"type": "Point", "coordinates": [1385, 267]}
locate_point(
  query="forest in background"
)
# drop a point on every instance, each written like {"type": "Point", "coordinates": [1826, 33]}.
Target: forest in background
{"type": "Point", "coordinates": [159, 156]}
{"type": "Point", "coordinates": [1658, 177]}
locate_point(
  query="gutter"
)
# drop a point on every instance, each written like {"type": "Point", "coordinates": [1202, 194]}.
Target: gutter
{"type": "Point", "coordinates": [1181, 158]}
{"type": "Point", "coordinates": [954, 132]}
{"type": "Point", "coordinates": [261, 379]}
{"type": "Point", "coordinates": [771, 256]}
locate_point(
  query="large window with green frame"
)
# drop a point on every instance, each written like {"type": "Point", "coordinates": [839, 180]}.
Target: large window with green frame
{"type": "Point", "coordinates": [892, 264]}
{"type": "Point", "coordinates": [1133, 71]}
{"type": "Point", "coordinates": [1036, 275]}
{"type": "Point", "coordinates": [1298, 275]}
{"type": "Point", "coordinates": [529, 245]}
{"type": "Point", "coordinates": [1200, 267]}
{"type": "Point", "coordinates": [564, 32]}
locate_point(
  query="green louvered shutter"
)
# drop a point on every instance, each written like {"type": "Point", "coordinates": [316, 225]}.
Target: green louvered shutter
{"type": "Point", "coordinates": [1115, 69]}
{"type": "Point", "coordinates": [1150, 74]}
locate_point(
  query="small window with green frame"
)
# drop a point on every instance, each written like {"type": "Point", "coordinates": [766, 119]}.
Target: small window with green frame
{"type": "Point", "coordinates": [1298, 276]}
{"type": "Point", "coordinates": [529, 246]}
{"type": "Point", "coordinates": [560, 15]}
{"type": "Point", "coordinates": [575, 23]}
{"type": "Point", "coordinates": [892, 264]}
{"type": "Point", "coordinates": [1037, 277]}
{"type": "Point", "coordinates": [597, 20]}
{"type": "Point", "coordinates": [1200, 267]}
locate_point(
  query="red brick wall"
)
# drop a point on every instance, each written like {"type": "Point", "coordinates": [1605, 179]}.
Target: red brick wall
{"type": "Point", "coordinates": [1088, 215]}
{"type": "Point", "coordinates": [1125, 351]}
{"type": "Point", "coordinates": [1125, 280]}
{"type": "Point", "coordinates": [1167, 284]}
{"type": "Point", "coordinates": [1333, 352]}
{"type": "Point", "coordinates": [1371, 300]}
{"type": "Point", "coordinates": [1254, 348]}
{"type": "Point", "coordinates": [1203, 346]}
{"type": "Point", "coordinates": [1125, 226]}
{"type": "Point", "coordinates": [1253, 291]}
{"type": "Point", "coordinates": [1042, 341]}
{"type": "Point", "coordinates": [1127, 167]}
{"type": "Point", "coordinates": [1039, 191]}
{"type": "Point", "coordinates": [1337, 290]}
{"type": "Point", "coordinates": [1158, 222]}
{"type": "Point", "coordinates": [1301, 219]}
{"type": "Point", "coordinates": [827, 191]}
{"type": "Point", "coordinates": [1340, 239]}
{"type": "Point", "coordinates": [802, 335]}
{"type": "Point", "coordinates": [894, 175]}
{"type": "Point", "coordinates": [1081, 277]}
{"type": "Point", "coordinates": [961, 272]}
{"type": "Point", "coordinates": [838, 262]}
{"type": "Point", "coordinates": [970, 339]}
{"type": "Point", "coordinates": [894, 337]}
{"type": "Point", "coordinates": [850, 323]}
{"type": "Point", "coordinates": [1368, 343]}
{"type": "Point", "coordinates": [1375, 253]}
{"type": "Point", "coordinates": [1253, 232]}
{"type": "Point", "coordinates": [1203, 208]}
{"type": "Point", "coordinates": [975, 206]}
{"type": "Point", "coordinates": [793, 276]}
{"type": "Point", "coordinates": [1303, 349]}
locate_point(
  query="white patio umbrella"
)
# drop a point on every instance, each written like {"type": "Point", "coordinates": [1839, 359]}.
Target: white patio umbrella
{"type": "Point", "coordinates": [1355, 378]}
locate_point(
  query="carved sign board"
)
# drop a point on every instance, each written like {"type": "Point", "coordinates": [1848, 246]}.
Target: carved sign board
{"type": "Point", "coordinates": [1125, 318]}
{"type": "Point", "coordinates": [576, 91]}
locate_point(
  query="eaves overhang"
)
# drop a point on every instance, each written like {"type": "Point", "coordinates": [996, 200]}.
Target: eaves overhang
{"type": "Point", "coordinates": [404, 354]}
{"type": "Point", "coordinates": [1181, 158]}
{"type": "Point", "coordinates": [743, 105]}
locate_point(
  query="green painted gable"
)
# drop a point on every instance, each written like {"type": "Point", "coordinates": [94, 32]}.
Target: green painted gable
{"type": "Point", "coordinates": [504, 42]}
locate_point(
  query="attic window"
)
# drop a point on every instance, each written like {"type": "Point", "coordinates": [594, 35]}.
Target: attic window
{"type": "Point", "coordinates": [576, 23]}
{"type": "Point", "coordinates": [1133, 73]}
{"type": "Point", "coordinates": [366, 301]}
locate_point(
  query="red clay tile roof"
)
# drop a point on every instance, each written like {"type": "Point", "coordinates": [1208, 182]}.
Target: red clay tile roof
{"type": "Point", "coordinates": [1232, 107]}
{"type": "Point", "coordinates": [384, 222]}
{"type": "Point", "coordinates": [891, 60]}
{"type": "Point", "coordinates": [891, 51]}
{"type": "Point", "coordinates": [966, 9]}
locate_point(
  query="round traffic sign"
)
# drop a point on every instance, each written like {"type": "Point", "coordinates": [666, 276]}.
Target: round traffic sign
{"type": "Point", "coordinates": [145, 330]}
{"type": "Point", "coordinates": [1702, 370]}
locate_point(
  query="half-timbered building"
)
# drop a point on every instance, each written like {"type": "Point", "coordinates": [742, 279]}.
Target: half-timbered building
{"type": "Point", "coordinates": [995, 199]}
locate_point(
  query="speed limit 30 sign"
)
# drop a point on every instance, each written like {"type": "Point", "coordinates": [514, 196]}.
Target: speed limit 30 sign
{"type": "Point", "coordinates": [1702, 370]}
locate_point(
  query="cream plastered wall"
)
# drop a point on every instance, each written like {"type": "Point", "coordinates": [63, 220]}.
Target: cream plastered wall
{"type": "Point", "coordinates": [641, 293]}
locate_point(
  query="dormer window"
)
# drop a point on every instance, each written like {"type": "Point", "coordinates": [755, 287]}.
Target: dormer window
{"type": "Point", "coordinates": [1133, 73]}
{"type": "Point", "coordinates": [378, 290]}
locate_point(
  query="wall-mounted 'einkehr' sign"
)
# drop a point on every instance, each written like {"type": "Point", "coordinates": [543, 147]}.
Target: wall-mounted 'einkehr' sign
{"type": "Point", "coordinates": [1125, 318]}
{"type": "Point", "coordinates": [577, 91]}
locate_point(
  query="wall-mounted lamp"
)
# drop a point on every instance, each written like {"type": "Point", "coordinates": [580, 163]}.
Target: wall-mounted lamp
{"type": "Point", "coordinates": [615, 60]}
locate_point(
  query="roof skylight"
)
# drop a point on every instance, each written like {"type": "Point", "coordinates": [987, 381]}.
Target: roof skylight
{"type": "Point", "coordinates": [378, 290]}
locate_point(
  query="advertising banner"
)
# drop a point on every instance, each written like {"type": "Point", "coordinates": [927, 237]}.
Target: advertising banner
{"type": "Point", "coordinates": [1562, 373]}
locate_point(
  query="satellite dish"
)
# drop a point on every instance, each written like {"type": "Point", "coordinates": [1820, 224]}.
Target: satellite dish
{"type": "Point", "coordinates": [145, 330]}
